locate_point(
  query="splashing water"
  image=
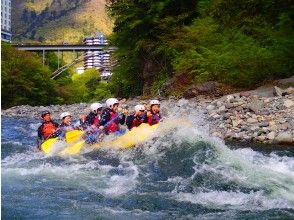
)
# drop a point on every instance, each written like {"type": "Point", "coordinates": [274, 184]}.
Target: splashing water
{"type": "Point", "coordinates": [181, 173]}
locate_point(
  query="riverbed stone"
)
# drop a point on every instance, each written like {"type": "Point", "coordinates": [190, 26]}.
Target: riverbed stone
{"type": "Point", "coordinates": [284, 138]}
{"type": "Point", "coordinates": [229, 105]}
{"type": "Point", "coordinates": [284, 126]}
{"type": "Point", "coordinates": [261, 138]}
{"type": "Point", "coordinates": [245, 94]}
{"type": "Point", "coordinates": [219, 103]}
{"type": "Point", "coordinates": [273, 127]}
{"type": "Point", "coordinates": [271, 135]}
{"type": "Point", "coordinates": [290, 90]}
{"type": "Point", "coordinates": [210, 107]}
{"type": "Point", "coordinates": [288, 103]}
{"type": "Point", "coordinates": [235, 123]}
{"type": "Point", "coordinates": [230, 98]}
{"type": "Point", "coordinates": [256, 105]}
{"type": "Point", "coordinates": [252, 120]}
{"type": "Point", "coordinates": [277, 91]}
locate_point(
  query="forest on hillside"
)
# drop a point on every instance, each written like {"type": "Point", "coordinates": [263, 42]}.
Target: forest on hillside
{"type": "Point", "coordinates": [25, 81]}
{"type": "Point", "coordinates": [57, 21]}
{"type": "Point", "coordinates": [240, 43]}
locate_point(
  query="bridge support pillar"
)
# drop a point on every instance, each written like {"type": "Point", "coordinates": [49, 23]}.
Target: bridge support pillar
{"type": "Point", "coordinates": [43, 57]}
{"type": "Point", "coordinates": [58, 58]}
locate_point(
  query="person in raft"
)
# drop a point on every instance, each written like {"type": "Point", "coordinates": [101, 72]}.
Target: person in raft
{"type": "Point", "coordinates": [66, 124]}
{"type": "Point", "coordinates": [46, 129]}
{"type": "Point", "coordinates": [93, 118]}
{"type": "Point", "coordinates": [153, 116]}
{"type": "Point", "coordinates": [111, 118]}
{"type": "Point", "coordinates": [137, 118]}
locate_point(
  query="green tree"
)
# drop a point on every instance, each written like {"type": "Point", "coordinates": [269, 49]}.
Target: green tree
{"type": "Point", "coordinates": [24, 79]}
{"type": "Point", "coordinates": [142, 30]}
{"type": "Point", "coordinates": [241, 43]}
{"type": "Point", "coordinates": [88, 87]}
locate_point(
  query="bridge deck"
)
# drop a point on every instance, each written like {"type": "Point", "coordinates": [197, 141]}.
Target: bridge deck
{"type": "Point", "coordinates": [66, 47]}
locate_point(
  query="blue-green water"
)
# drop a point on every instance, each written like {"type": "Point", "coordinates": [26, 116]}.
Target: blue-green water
{"type": "Point", "coordinates": [181, 174]}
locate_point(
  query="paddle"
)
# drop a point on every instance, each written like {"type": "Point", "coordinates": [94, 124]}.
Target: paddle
{"type": "Point", "coordinates": [74, 149]}
{"type": "Point", "coordinates": [73, 136]}
{"type": "Point", "coordinates": [70, 137]}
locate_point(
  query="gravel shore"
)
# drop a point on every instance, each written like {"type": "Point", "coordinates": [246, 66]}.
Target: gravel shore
{"type": "Point", "coordinates": [249, 116]}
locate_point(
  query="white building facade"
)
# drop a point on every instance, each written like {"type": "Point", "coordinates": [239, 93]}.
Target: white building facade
{"type": "Point", "coordinates": [6, 20]}
{"type": "Point", "coordinates": [98, 59]}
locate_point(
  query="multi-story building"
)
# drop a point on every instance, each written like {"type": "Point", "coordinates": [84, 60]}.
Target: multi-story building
{"type": "Point", "coordinates": [6, 20]}
{"type": "Point", "coordinates": [98, 59]}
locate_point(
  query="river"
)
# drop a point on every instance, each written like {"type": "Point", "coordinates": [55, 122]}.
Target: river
{"type": "Point", "coordinates": [181, 174]}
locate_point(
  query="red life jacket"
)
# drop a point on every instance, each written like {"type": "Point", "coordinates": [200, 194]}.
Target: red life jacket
{"type": "Point", "coordinates": [113, 127]}
{"type": "Point", "coordinates": [137, 121]}
{"type": "Point", "coordinates": [153, 119]}
{"type": "Point", "coordinates": [48, 128]}
{"type": "Point", "coordinates": [96, 121]}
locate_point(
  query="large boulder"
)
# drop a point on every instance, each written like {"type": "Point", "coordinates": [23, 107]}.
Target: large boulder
{"type": "Point", "coordinates": [282, 92]}
{"type": "Point", "coordinates": [210, 88]}
{"type": "Point", "coordinates": [284, 138]}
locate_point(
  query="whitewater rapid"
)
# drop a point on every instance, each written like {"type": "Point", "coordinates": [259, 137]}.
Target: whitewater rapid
{"type": "Point", "coordinates": [181, 172]}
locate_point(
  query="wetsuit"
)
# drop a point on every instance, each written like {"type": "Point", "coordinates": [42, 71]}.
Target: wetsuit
{"type": "Point", "coordinates": [134, 121]}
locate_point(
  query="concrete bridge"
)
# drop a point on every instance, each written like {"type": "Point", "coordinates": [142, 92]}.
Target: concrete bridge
{"type": "Point", "coordinates": [64, 47]}
{"type": "Point", "coordinates": [75, 48]}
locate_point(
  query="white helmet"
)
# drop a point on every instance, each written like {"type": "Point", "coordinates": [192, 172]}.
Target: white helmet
{"type": "Point", "coordinates": [64, 114]}
{"type": "Point", "coordinates": [95, 106]}
{"type": "Point", "coordinates": [110, 102]}
{"type": "Point", "coordinates": [139, 108]}
{"type": "Point", "coordinates": [154, 102]}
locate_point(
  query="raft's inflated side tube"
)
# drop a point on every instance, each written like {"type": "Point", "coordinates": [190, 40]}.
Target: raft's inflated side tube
{"type": "Point", "coordinates": [136, 136]}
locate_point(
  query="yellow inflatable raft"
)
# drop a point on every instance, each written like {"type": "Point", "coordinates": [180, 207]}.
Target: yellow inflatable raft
{"type": "Point", "coordinates": [136, 136]}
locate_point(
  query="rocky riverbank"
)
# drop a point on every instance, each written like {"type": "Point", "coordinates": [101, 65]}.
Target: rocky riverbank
{"type": "Point", "coordinates": [252, 116]}
{"type": "Point", "coordinates": [248, 117]}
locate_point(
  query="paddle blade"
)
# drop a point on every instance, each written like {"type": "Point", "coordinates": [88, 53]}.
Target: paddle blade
{"type": "Point", "coordinates": [47, 145]}
{"type": "Point", "coordinates": [73, 136]}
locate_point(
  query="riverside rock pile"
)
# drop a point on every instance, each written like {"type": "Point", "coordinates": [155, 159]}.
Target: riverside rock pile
{"type": "Point", "coordinates": [247, 117]}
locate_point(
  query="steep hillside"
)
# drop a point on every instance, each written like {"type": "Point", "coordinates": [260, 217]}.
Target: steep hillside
{"type": "Point", "coordinates": [57, 21]}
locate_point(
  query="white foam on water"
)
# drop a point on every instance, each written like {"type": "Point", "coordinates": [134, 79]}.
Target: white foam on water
{"type": "Point", "coordinates": [20, 159]}
{"type": "Point", "coordinates": [81, 174]}
{"type": "Point", "coordinates": [233, 200]}
{"type": "Point", "coordinates": [272, 176]}
{"type": "Point", "coordinates": [119, 213]}
{"type": "Point", "coordinates": [34, 126]}
{"type": "Point", "coordinates": [122, 184]}
{"type": "Point", "coordinates": [13, 143]}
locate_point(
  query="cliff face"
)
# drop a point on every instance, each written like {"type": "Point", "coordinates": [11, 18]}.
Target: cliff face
{"type": "Point", "coordinates": [57, 21]}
